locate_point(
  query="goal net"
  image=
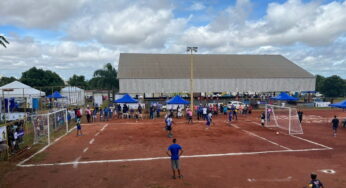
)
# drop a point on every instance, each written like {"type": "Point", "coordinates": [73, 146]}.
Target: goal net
{"type": "Point", "coordinates": [285, 118]}
{"type": "Point", "coordinates": [48, 126]}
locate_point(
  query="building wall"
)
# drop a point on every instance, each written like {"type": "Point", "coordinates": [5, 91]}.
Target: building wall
{"type": "Point", "coordinates": [216, 85]}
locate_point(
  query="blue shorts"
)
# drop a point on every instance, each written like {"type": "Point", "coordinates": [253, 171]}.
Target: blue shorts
{"type": "Point", "coordinates": [79, 127]}
{"type": "Point", "coordinates": [208, 123]}
{"type": "Point", "coordinates": [335, 127]}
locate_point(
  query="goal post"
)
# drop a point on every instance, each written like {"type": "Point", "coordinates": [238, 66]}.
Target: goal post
{"type": "Point", "coordinates": [285, 118]}
{"type": "Point", "coordinates": [48, 126]}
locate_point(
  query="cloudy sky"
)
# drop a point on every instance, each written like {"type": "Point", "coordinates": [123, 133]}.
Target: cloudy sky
{"type": "Point", "coordinates": [80, 36]}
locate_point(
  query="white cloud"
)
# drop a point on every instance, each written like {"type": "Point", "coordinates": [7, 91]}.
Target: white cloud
{"type": "Point", "coordinates": [66, 58]}
{"type": "Point", "coordinates": [37, 13]}
{"type": "Point", "coordinates": [285, 24]}
{"type": "Point", "coordinates": [197, 6]}
{"type": "Point", "coordinates": [134, 25]}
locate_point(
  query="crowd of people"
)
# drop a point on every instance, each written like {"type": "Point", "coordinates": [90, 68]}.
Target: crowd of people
{"type": "Point", "coordinates": [15, 136]}
{"type": "Point", "coordinates": [95, 113]}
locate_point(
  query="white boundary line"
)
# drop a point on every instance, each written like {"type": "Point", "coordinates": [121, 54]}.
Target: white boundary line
{"type": "Point", "coordinates": [255, 135]}
{"type": "Point", "coordinates": [161, 158]}
{"type": "Point", "coordinates": [304, 139]}
{"type": "Point", "coordinates": [76, 162]}
{"type": "Point", "coordinates": [312, 142]}
{"type": "Point", "coordinates": [92, 141]}
{"type": "Point", "coordinates": [85, 149]}
{"type": "Point", "coordinates": [44, 148]}
{"type": "Point", "coordinates": [262, 138]}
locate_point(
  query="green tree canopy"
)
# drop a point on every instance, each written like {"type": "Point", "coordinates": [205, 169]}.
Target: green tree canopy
{"type": "Point", "coordinates": [106, 78]}
{"type": "Point", "coordinates": [93, 83]}
{"type": "Point", "coordinates": [319, 82]}
{"type": "Point", "coordinates": [44, 80]}
{"type": "Point", "coordinates": [6, 80]}
{"type": "Point", "coordinates": [78, 81]}
{"type": "Point", "coordinates": [334, 86]}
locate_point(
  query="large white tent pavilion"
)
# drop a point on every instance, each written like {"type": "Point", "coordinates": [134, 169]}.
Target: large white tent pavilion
{"type": "Point", "coordinates": [170, 73]}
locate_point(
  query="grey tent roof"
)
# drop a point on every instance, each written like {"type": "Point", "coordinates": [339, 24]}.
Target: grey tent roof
{"type": "Point", "coordinates": [157, 66]}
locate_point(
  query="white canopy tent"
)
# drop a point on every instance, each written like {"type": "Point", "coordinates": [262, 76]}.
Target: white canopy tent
{"type": "Point", "coordinates": [74, 95]}
{"type": "Point", "coordinates": [17, 89]}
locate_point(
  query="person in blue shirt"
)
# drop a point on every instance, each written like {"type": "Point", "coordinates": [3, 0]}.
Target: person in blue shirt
{"type": "Point", "coordinates": [230, 118]}
{"type": "Point", "coordinates": [106, 112]}
{"type": "Point", "coordinates": [225, 110]}
{"type": "Point", "coordinates": [234, 111]}
{"type": "Point", "coordinates": [175, 151]}
{"type": "Point", "coordinates": [79, 128]}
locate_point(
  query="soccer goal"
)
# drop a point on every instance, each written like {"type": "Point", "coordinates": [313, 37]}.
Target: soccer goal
{"type": "Point", "coordinates": [285, 118]}
{"type": "Point", "coordinates": [46, 126]}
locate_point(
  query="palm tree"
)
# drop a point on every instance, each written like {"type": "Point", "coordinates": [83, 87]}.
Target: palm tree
{"type": "Point", "coordinates": [3, 41]}
{"type": "Point", "coordinates": [107, 79]}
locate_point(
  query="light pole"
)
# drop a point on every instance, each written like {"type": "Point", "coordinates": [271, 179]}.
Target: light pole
{"type": "Point", "coordinates": [191, 50]}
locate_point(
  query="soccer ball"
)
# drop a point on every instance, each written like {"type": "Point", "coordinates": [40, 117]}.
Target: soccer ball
{"type": "Point", "coordinates": [277, 132]}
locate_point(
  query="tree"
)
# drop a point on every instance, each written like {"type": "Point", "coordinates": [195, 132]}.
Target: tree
{"type": "Point", "coordinates": [107, 79]}
{"type": "Point", "coordinates": [333, 86]}
{"type": "Point", "coordinates": [6, 80]}
{"type": "Point", "coordinates": [319, 82]}
{"type": "Point", "coordinates": [93, 83]}
{"type": "Point", "coordinates": [3, 41]}
{"type": "Point", "coordinates": [44, 80]}
{"type": "Point", "coordinates": [78, 81]}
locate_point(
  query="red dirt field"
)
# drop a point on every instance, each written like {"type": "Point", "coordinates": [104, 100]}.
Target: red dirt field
{"type": "Point", "coordinates": [253, 156]}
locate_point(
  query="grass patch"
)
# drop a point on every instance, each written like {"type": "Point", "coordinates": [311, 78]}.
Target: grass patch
{"type": "Point", "coordinates": [39, 157]}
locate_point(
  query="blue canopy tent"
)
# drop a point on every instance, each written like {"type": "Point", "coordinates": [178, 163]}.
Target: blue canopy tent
{"type": "Point", "coordinates": [177, 100]}
{"type": "Point", "coordinates": [55, 95]}
{"type": "Point", "coordinates": [341, 104]}
{"type": "Point", "coordinates": [284, 97]}
{"type": "Point", "coordinates": [126, 99]}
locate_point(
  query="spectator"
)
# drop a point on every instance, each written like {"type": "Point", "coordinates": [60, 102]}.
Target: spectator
{"type": "Point", "coordinates": [225, 109]}
{"type": "Point", "coordinates": [101, 114]}
{"type": "Point", "coordinates": [106, 113]}
{"type": "Point", "coordinates": [88, 114]}
{"type": "Point", "coordinates": [158, 110]}
{"type": "Point", "coordinates": [199, 111]}
{"type": "Point", "coordinates": [119, 111]}
{"type": "Point", "coordinates": [151, 112]}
